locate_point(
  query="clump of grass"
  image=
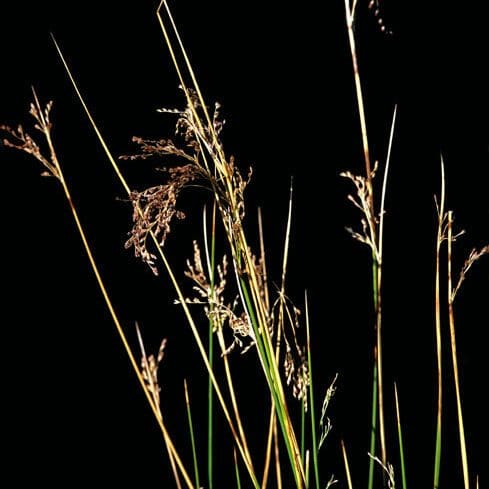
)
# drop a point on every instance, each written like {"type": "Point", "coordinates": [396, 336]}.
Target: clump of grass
{"type": "Point", "coordinates": [233, 290]}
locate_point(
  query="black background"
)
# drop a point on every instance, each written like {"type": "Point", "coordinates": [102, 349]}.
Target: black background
{"type": "Point", "coordinates": [74, 412]}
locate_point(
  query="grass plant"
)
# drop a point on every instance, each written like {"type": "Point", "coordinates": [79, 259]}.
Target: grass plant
{"type": "Point", "coordinates": [244, 312]}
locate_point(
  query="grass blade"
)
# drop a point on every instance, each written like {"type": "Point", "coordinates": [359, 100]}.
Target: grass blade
{"type": "Point", "coordinates": [453, 344]}
{"type": "Point", "coordinates": [315, 458]}
{"type": "Point", "coordinates": [211, 261]}
{"type": "Point", "coordinates": [439, 240]}
{"type": "Point", "coordinates": [192, 434]}
{"type": "Point", "coordinates": [401, 443]}
{"type": "Point", "coordinates": [373, 423]}
{"type": "Point", "coordinates": [236, 471]}
{"type": "Point", "coordinates": [347, 465]}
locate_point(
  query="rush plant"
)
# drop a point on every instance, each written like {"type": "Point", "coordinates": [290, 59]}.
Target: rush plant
{"type": "Point", "coordinates": [244, 313]}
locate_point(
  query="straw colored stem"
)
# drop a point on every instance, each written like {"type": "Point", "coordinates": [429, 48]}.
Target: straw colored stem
{"type": "Point", "coordinates": [232, 394]}
{"type": "Point", "coordinates": [453, 343]}
{"type": "Point", "coordinates": [401, 443]}
{"type": "Point", "coordinates": [439, 240]}
{"type": "Point", "coordinates": [358, 89]}
{"type": "Point", "coordinates": [347, 465]}
{"type": "Point", "coordinates": [192, 434]}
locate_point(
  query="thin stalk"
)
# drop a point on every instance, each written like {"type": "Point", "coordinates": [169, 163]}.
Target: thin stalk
{"type": "Point", "coordinates": [439, 240]}
{"type": "Point", "coordinates": [122, 336]}
{"type": "Point", "coordinates": [278, 469]}
{"type": "Point", "coordinates": [236, 471]}
{"type": "Point", "coordinates": [121, 333]}
{"type": "Point", "coordinates": [303, 431]}
{"type": "Point", "coordinates": [347, 465]}
{"type": "Point", "coordinates": [211, 266]}
{"type": "Point", "coordinates": [211, 261]}
{"type": "Point", "coordinates": [154, 391]}
{"type": "Point", "coordinates": [264, 259]}
{"type": "Point", "coordinates": [383, 449]}
{"type": "Point", "coordinates": [315, 457]}
{"type": "Point", "coordinates": [453, 343]}
{"type": "Point", "coordinates": [190, 70]}
{"type": "Point", "coordinates": [401, 444]}
{"type": "Point", "coordinates": [202, 351]}
{"type": "Point", "coordinates": [210, 413]}
{"type": "Point", "coordinates": [272, 424]}
{"type": "Point", "coordinates": [307, 466]}
{"type": "Point", "coordinates": [373, 423]}
{"type": "Point", "coordinates": [384, 183]}
{"type": "Point", "coordinates": [192, 435]}
{"type": "Point", "coordinates": [376, 273]}
{"type": "Point", "coordinates": [358, 89]}
{"type": "Point", "coordinates": [268, 448]}
{"type": "Point", "coordinates": [375, 380]}
{"type": "Point", "coordinates": [232, 394]}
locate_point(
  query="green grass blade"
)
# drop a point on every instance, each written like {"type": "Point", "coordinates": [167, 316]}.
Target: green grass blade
{"type": "Point", "coordinates": [401, 444]}
{"type": "Point", "coordinates": [192, 435]}
{"type": "Point", "coordinates": [315, 457]}
{"type": "Point", "coordinates": [436, 473]}
{"type": "Point", "coordinates": [211, 262]}
{"type": "Point", "coordinates": [236, 471]}
{"type": "Point", "coordinates": [271, 375]}
{"type": "Point", "coordinates": [373, 427]}
{"type": "Point", "coordinates": [210, 411]}
{"type": "Point", "coordinates": [307, 463]}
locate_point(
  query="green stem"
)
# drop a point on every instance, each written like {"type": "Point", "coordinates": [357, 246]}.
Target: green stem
{"type": "Point", "coordinates": [375, 386]}
{"type": "Point", "coordinates": [210, 410]}
{"type": "Point", "coordinates": [210, 388]}
{"type": "Point", "coordinates": [236, 471]}
{"type": "Point", "coordinates": [373, 425]}
{"type": "Point", "coordinates": [315, 457]}
{"type": "Point", "coordinates": [401, 444]}
{"type": "Point", "coordinates": [273, 382]}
